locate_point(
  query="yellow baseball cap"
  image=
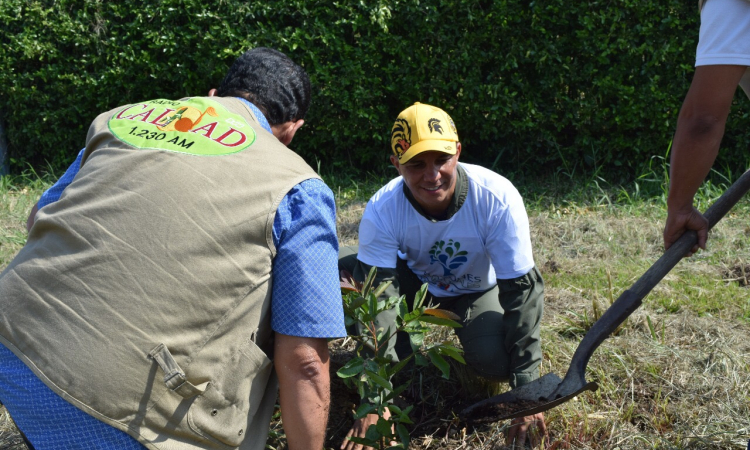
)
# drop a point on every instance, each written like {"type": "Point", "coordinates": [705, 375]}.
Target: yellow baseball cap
{"type": "Point", "coordinates": [422, 128]}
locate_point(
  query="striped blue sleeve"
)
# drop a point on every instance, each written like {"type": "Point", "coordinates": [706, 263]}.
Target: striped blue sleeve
{"type": "Point", "coordinates": [53, 194]}
{"type": "Point", "coordinates": [306, 295]}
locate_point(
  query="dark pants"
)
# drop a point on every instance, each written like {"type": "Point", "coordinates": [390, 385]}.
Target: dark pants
{"type": "Point", "coordinates": [494, 342]}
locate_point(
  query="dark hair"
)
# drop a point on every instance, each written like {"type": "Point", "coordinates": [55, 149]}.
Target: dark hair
{"type": "Point", "coordinates": [272, 82]}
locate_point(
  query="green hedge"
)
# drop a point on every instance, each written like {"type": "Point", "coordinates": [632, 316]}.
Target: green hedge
{"type": "Point", "coordinates": [532, 86]}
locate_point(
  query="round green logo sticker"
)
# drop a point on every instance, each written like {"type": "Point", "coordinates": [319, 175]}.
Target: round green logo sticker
{"type": "Point", "coordinates": [197, 126]}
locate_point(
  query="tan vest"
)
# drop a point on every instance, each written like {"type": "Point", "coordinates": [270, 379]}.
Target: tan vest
{"type": "Point", "coordinates": [143, 295]}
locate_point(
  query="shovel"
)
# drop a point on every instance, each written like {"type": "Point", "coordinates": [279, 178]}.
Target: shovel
{"type": "Point", "coordinates": [549, 391]}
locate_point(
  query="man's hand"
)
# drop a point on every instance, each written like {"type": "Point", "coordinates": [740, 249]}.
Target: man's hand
{"type": "Point", "coordinates": [359, 429]}
{"type": "Point", "coordinates": [532, 428]}
{"type": "Point", "coordinates": [304, 389]}
{"type": "Point", "coordinates": [678, 222]}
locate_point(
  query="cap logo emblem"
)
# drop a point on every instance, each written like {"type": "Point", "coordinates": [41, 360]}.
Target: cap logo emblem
{"type": "Point", "coordinates": [434, 125]}
{"type": "Point", "coordinates": [401, 137]}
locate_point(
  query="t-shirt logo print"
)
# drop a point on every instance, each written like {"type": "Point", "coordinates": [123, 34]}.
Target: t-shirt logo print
{"type": "Point", "coordinates": [449, 255]}
{"type": "Point", "coordinates": [434, 126]}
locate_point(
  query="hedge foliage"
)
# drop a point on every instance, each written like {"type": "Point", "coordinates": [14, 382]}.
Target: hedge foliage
{"type": "Point", "coordinates": [534, 86]}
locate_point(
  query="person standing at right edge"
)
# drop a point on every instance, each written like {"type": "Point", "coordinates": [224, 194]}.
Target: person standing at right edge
{"type": "Point", "coordinates": [722, 63]}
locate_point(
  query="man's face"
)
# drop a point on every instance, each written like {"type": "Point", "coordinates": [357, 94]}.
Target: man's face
{"type": "Point", "coordinates": [431, 178]}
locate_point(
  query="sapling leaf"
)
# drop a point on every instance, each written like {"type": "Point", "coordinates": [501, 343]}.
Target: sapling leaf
{"type": "Point", "coordinates": [403, 308]}
{"type": "Point", "coordinates": [348, 286]}
{"type": "Point", "coordinates": [393, 302]}
{"type": "Point", "coordinates": [373, 435]}
{"type": "Point", "coordinates": [371, 365]}
{"type": "Point", "coordinates": [384, 427]}
{"type": "Point", "coordinates": [419, 298]}
{"type": "Point", "coordinates": [383, 370]}
{"type": "Point", "coordinates": [439, 362]}
{"type": "Point", "coordinates": [363, 410]}
{"type": "Point", "coordinates": [383, 336]}
{"type": "Point", "coordinates": [402, 415]}
{"type": "Point", "coordinates": [372, 306]}
{"type": "Point", "coordinates": [382, 361]}
{"type": "Point", "coordinates": [381, 288]}
{"type": "Point", "coordinates": [357, 302]}
{"type": "Point", "coordinates": [443, 313]}
{"type": "Point", "coordinates": [451, 351]}
{"type": "Point", "coordinates": [380, 381]}
{"type": "Point", "coordinates": [440, 321]}
{"type": "Point", "coordinates": [367, 286]}
{"type": "Point", "coordinates": [351, 368]}
{"type": "Point", "coordinates": [415, 327]}
{"type": "Point", "coordinates": [411, 316]}
{"type": "Point", "coordinates": [403, 434]}
{"type": "Point", "coordinates": [364, 441]}
{"type": "Point", "coordinates": [395, 410]}
{"type": "Point", "coordinates": [416, 340]}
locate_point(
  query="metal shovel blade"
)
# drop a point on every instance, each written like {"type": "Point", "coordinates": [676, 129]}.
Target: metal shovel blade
{"type": "Point", "coordinates": [532, 398]}
{"type": "Point", "coordinates": [549, 390]}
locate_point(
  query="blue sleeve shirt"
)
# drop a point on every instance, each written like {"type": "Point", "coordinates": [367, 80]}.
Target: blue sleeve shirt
{"type": "Point", "coordinates": [306, 289]}
{"type": "Point", "coordinates": [53, 194]}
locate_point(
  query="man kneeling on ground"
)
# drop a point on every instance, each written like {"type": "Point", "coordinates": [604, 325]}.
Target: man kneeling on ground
{"type": "Point", "coordinates": [463, 230]}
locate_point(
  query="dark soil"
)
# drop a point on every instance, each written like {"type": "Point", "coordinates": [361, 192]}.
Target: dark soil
{"type": "Point", "coordinates": [739, 273]}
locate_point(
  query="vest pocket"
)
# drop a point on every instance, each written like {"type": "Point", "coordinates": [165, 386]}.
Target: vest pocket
{"type": "Point", "coordinates": [228, 405]}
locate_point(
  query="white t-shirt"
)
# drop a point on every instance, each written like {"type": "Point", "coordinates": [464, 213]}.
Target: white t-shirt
{"type": "Point", "coordinates": [725, 36]}
{"type": "Point", "coordinates": [488, 237]}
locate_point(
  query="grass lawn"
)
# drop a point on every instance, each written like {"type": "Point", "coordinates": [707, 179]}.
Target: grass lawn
{"type": "Point", "coordinates": [676, 375]}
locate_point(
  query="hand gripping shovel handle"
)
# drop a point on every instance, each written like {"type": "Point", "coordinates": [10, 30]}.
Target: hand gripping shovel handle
{"type": "Point", "coordinates": [631, 299]}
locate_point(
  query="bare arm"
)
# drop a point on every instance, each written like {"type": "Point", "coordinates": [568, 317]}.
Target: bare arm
{"type": "Point", "coordinates": [700, 128]}
{"type": "Point", "coordinates": [304, 389]}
